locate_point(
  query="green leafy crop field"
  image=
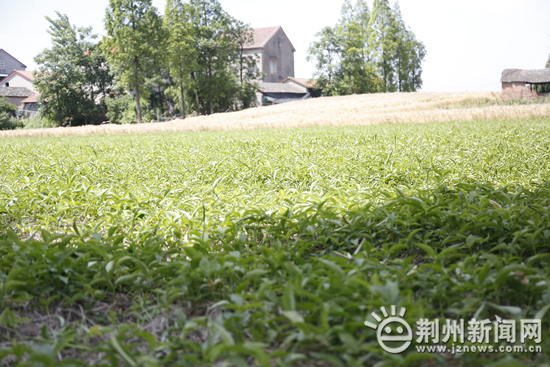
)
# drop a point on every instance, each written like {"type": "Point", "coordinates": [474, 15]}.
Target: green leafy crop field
{"type": "Point", "coordinates": [271, 248]}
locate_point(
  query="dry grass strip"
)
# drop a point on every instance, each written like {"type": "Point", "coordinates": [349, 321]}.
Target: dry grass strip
{"type": "Point", "coordinates": [367, 109]}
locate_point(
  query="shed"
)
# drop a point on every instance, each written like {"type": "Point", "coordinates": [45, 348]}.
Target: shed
{"type": "Point", "coordinates": [300, 81]}
{"type": "Point", "coordinates": [276, 93]}
{"type": "Point", "coordinates": [308, 84]}
{"type": "Point", "coordinates": [525, 84]}
{"type": "Point", "coordinates": [29, 106]}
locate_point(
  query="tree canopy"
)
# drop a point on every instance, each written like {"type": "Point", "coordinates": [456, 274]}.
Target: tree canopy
{"type": "Point", "coordinates": [222, 72]}
{"type": "Point", "coordinates": [72, 74]}
{"type": "Point", "coordinates": [136, 39]}
{"type": "Point", "coordinates": [367, 52]}
{"type": "Point", "coordinates": [182, 55]}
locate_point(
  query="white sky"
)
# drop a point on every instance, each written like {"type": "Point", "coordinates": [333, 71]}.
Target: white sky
{"type": "Point", "coordinates": [469, 42]}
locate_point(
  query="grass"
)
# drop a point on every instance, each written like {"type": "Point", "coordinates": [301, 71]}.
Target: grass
{"type": "Point", "coordinates": [491, 100]}
{"type": "Point", "coordinates": [269, 248]}
{"type": "Point", "coordinates": [368, 109]}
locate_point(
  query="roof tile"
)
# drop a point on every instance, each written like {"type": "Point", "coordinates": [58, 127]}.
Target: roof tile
{"type": "Point", "coordinates": [33, 98]}
{"type": "Point", "coordinates": [14, 92]}
{"type": "Point", "coordinates": [525, 76]}
{"type": "Point", "coordinates": [281, 88]}
{"type": "Point", "coordinates": [262, 35]}
{"type": "Point", "coordinates": [300, 81]}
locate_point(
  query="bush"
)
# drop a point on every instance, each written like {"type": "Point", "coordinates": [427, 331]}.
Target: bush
{"type": "Point", "coordinates": [7, 115]}
{"type": "Point", "coordinates": [123, 110]}
{"type": "Point", "coordinates": [39, 121]}
{"type": "Point", "coordinates": [9, 123]}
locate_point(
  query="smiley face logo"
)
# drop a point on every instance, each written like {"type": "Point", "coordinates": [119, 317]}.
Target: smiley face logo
{"type": "Point", "coordinates": [392, 330]}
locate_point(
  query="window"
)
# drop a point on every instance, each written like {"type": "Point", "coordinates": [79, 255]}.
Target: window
{"type": "Point", "coordinates": [7, 84]}
{"type": "Point", "coordinates": [2, 64]}
{"type": "Point", "coordinates": [273, 66]}
{"type": "Point", "coordinates": [280, 43]}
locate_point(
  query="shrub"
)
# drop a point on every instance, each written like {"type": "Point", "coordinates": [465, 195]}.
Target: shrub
{"type": "Point", "coordinates": [7, 115]}
{"type": "Point", "coordinates": [39, 121]}
{"type": "Point", "coordinates": [121, 110]}
{"type": "Point", "coordinates": [9, 123]}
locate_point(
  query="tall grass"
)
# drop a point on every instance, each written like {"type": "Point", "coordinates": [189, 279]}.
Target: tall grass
{"type": "Point", "coordinates": [369, 109]}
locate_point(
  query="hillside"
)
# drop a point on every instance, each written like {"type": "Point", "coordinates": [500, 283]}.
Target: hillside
{"type": "Point", "coordinates": [368, 109]}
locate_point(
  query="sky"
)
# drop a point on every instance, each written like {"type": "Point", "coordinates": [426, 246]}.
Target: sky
{"type": "Point", "coordinates": [469, 42]}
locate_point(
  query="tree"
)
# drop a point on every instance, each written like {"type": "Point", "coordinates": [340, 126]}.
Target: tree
{"type": "Point", "coordinates": [354, 33]}
{"type": "Point", "coordinates": [246, 66]}
{"type": "Point", "coordinates": [136, 40]}
{"type": "Point", "coordinates": [344, 60]}
{"type": "Point", "coordinates": [216, 83]}
{"type": "Point", "coordinates": [182, 55]}
{"type": "Point", "coordinates": [327, 53]}
{"type": "Point", "coordinates": [72, 74]}
{"type": "Point", "coordinates": [383, 41]}
{"type": "Point", "coordinates": [367, 52]}
{"type": "Point", "coordinates": [409, 55]}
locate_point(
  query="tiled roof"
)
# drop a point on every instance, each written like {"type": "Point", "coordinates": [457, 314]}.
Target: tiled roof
{"type": "Point", "coordinates": [262, 35]}
{"type": "Point", "coordinates": [33, 98]}
{"type": "Point", "coordinates": [525, 76]}
{"type": "Point", "coordinates": [1, 49]}
{"type": "Point", "coordinates": [281, 88]}
{"type": "Point", "coordinates": [300, 81]}
{"type": "Point", "coordinates": [25, 74]}
{"type": "Point", "coordinates": [14, 92]}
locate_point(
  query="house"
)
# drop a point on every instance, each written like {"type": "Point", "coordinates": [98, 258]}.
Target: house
{"type": "Point", "coordinates": [275, 51]}
{"type": "Point", "coordinates": [525, 84]}
{"type": "Point", "coordinates": [20, 79]}
{"type": "Point", "coordinates": [8, 64]}
{"type": "Point", "coordinates": [276, 93]}
{"type": "Point", "coordinates": [15, 95]}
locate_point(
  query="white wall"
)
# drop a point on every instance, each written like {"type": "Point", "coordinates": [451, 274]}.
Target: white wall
{"type": "Point", "coordinates": [18, 81]}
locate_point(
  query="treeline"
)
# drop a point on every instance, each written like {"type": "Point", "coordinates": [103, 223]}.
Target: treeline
{"type": "Point", "coordinates": [189, 60]}
{"type": "Point", "coordinates": [367, 52]}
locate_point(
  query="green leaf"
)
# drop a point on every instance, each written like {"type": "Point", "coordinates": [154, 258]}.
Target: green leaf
{"type": "Point", "coordinates": [294, 317]}
{"type": "Point", "coordinates": [540, 314]}
{"type": "Point", "coordinates": [126, 278]}
{"type": "Point", "coordinates": [332, 266]}
{"type": "Point", "coordinates": [253, 274]}
{"type": "Point", "coordinates": [226, 336]}
{"type": "Point", "coordinates": [125, 356]}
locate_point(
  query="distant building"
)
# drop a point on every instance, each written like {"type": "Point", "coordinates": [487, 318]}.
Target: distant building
{"type": "Point", "coordinates": [275, 51]}
{"type": "Point", "coordinates": [310, 85]}
{"type": "Point", "coordinates": [8, 64]}
{"type": "Point", "coordinates": [15, 95]}
{"type": "Point", "coordinates": [29, 107]}
{"type": "Point", "coordinates": [276, 93]}
{"type": "Point", "coordinates": [525, 84]}
{"type": "Point", "coordinates": [19, 79]}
